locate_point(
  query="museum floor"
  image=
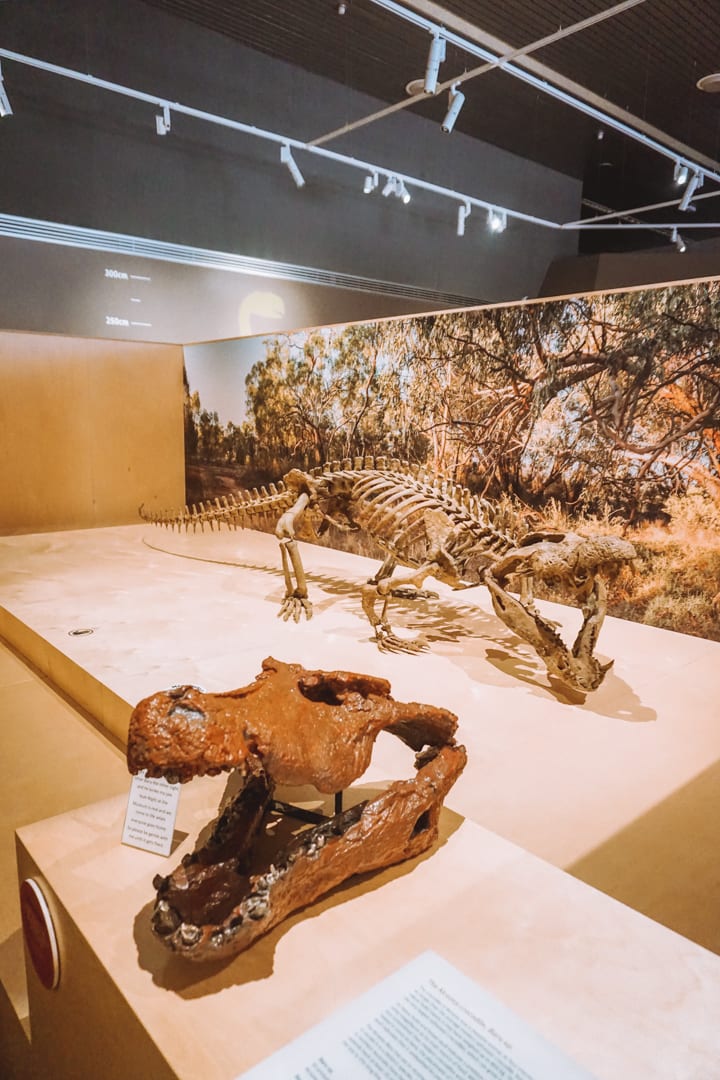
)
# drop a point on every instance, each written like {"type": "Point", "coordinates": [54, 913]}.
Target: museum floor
{"type": "Point", "coordinates": [620, 790]}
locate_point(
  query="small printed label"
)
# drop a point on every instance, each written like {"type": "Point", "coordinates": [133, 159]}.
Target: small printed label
{"type": "Point", "coordinates": [151, 812]}
{"type": "Point", "coordinates": [119, 275]}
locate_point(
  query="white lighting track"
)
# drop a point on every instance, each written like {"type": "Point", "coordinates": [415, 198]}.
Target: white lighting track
{"type": "Point", "coordinates": [493, 59]}
{"type": "Point", "coordinates": [457, 197]}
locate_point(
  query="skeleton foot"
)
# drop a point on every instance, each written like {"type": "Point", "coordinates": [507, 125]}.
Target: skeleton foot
{"type": "Point", "coordinates": [409, 592]}
{"type": "Point", "coordinates": [293, 607]}
{"type": "Point", "coordinates": [388, 641]}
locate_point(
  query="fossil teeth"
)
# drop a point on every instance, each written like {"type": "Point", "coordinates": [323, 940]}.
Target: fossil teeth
{"type": "Point", "coordinates": [189, 934]}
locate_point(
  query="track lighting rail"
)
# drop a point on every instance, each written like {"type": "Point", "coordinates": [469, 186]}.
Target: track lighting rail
{"type": "Point", "coordinates": [496, 214]}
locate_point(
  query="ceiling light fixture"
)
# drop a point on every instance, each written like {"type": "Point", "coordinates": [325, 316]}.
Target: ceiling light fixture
{"type": "Point", "coordinates": [496, 220]}
{"type": "Point", "coordinates": [5, 106]}
{"type": "Point", "coordinates": [162, 121]}
{"type": "Point", "coordinates": [680, 173]}
{"type": "Point", "coordinates": [370, 183]}
{"type": "Point", "coordinates": [341, 9]}
{"type": "Point", "coordinates": [678, 241]}
{"type": "Point", "coordinates": [463, 215]}
{"type": "Point", "coordinates": [435, 58]}
{"type": "Point", "coordinates": [389, 188]}
{"type": "Point", "coordinates": [287, 159]}
{"type": "Point", "coordinates": [456, 101]}
{"type": "Point", "coordinates": [695, 182]}
{"type": "Point", "coordinates": [402, 192]}
{"type": "Point", "coordinates": [709, 83]}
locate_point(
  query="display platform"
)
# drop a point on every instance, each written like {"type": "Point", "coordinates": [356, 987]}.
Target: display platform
{"type": "Point", "coordinates": [619, 994]}
{"type": "Point", "coordinates": [559, 777]}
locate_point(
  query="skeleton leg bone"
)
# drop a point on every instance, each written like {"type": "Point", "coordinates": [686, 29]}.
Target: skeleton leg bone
{"type": "Point", "coordinates": [295, 601]}
{"type": "Point", "coordinates": [387, 640]}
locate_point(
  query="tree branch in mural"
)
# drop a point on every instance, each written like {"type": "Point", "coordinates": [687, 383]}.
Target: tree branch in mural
{"type": "Point", "coordinates": [439, 530]}
{"type": "Point", "coordinates": [290, 726]}
{"type": "Point", "coordinates": [605, 404]}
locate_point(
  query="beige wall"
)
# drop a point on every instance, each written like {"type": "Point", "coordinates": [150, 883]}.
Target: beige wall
{"type": "Point", "coordinates": [88, 431]}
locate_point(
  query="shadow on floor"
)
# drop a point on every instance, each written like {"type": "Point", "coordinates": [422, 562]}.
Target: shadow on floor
{"type": "Point", "coordinates": [666, 864]}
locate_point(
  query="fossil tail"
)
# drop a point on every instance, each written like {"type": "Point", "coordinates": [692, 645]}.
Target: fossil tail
{"type": "Point", "coordinates": [237, 510]}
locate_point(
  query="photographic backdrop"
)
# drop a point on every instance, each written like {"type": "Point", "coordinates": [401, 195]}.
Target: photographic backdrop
{"type": "Point", "coordinates": [597, 412]}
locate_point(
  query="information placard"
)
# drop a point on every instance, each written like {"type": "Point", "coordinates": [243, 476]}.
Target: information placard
{"type": "Point", "coordinates": [428, 1021]}
{"type": "Point", "coordinates": [151, 812]}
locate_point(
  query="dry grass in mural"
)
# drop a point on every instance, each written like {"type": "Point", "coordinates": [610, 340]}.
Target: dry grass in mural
{"type": "Point", "coordinates": [674, 585]}
{"type": "Point", "coordinates": [593, 414]}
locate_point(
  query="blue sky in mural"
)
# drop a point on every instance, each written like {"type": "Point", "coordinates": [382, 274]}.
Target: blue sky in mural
{"type": "Point", "coordinates": [217, 370]}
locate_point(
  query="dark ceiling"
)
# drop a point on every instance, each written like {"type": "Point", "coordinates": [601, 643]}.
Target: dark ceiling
{"type": "Point", "coordinates": [645, 60]}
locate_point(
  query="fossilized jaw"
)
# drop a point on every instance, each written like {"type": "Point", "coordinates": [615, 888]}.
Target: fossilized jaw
{"type": "Point", "coordinates": [318, 726]}
{"type": "Point", "coordinates": [210, 911]}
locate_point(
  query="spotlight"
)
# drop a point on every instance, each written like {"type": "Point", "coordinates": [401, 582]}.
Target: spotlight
{"type": "Point", "coordinates": [434, 60]}
{"type": "Point", "coordinates": [680, 173]}
{"type": "Point", "coordinates": [497, 221]}
{"type": "Point", "coordinates": [341, 9]}
{"type": "Point", "coordinates": [287, 159]}
{"type": "Point", "coordinates": [402, 192]}
{"type": "Point", "coordinates": [695, 181]}
{"type": "Point", "coordinates": [370, 183]}
{"type": "Point", "coordinates": [455, 100]}
{"type": "Point", "coordinates": [389, 186]}
{"type": "Point", "coordinates": [463, 215]}
{"type": "Point", "coordinates": [678, 241]}
{"type": "Point", "coordinates": [162, 121]}
{"type": "Point", "coordinates": [5, 106]}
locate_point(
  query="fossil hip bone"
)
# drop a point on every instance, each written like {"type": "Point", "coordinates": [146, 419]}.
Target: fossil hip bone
{"type": "Point", "coordinates": [291, 726]}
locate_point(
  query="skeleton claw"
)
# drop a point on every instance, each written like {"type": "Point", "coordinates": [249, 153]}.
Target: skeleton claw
{"type": "Point", "coordinates": [293, 607]}
{"type": "Point", "coordinates": [388, 641]}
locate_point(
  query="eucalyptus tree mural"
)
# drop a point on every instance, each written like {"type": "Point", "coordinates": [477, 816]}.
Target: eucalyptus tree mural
{"type": "Point", "coordinates": [592, 408]}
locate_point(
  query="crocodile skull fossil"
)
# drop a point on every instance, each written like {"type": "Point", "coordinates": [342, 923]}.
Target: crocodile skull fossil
{"type": "Point", "coordinates": [290, 726]}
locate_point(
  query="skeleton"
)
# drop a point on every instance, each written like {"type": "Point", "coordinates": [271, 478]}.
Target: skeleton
{"type": "Point", "coordinates": [290, 726]}
{"type": "Point", "coordinates": [438, 530]}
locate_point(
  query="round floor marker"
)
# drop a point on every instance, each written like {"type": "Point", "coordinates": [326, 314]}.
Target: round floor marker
{"type": "Point", "coordinates": [39, 932]}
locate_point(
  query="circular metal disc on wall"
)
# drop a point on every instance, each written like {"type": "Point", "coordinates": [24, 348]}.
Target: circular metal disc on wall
{"type": "Point", "coordinates": [39, 932]}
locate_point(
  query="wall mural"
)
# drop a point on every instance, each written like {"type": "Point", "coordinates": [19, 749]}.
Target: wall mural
{"type": "Point", "coordinates": [591, 414]}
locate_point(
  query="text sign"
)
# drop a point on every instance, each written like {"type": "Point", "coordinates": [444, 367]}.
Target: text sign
{"type": "Point", "coordinates": [151, 812]}
{"type": "Point", "coordinates": [428, 1021]}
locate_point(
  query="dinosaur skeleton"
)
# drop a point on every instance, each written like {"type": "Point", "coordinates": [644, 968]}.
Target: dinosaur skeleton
{"type": "Point", "coordinates": [437, 529]}
{"type": "Point", "coordinates": [290, 726]}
